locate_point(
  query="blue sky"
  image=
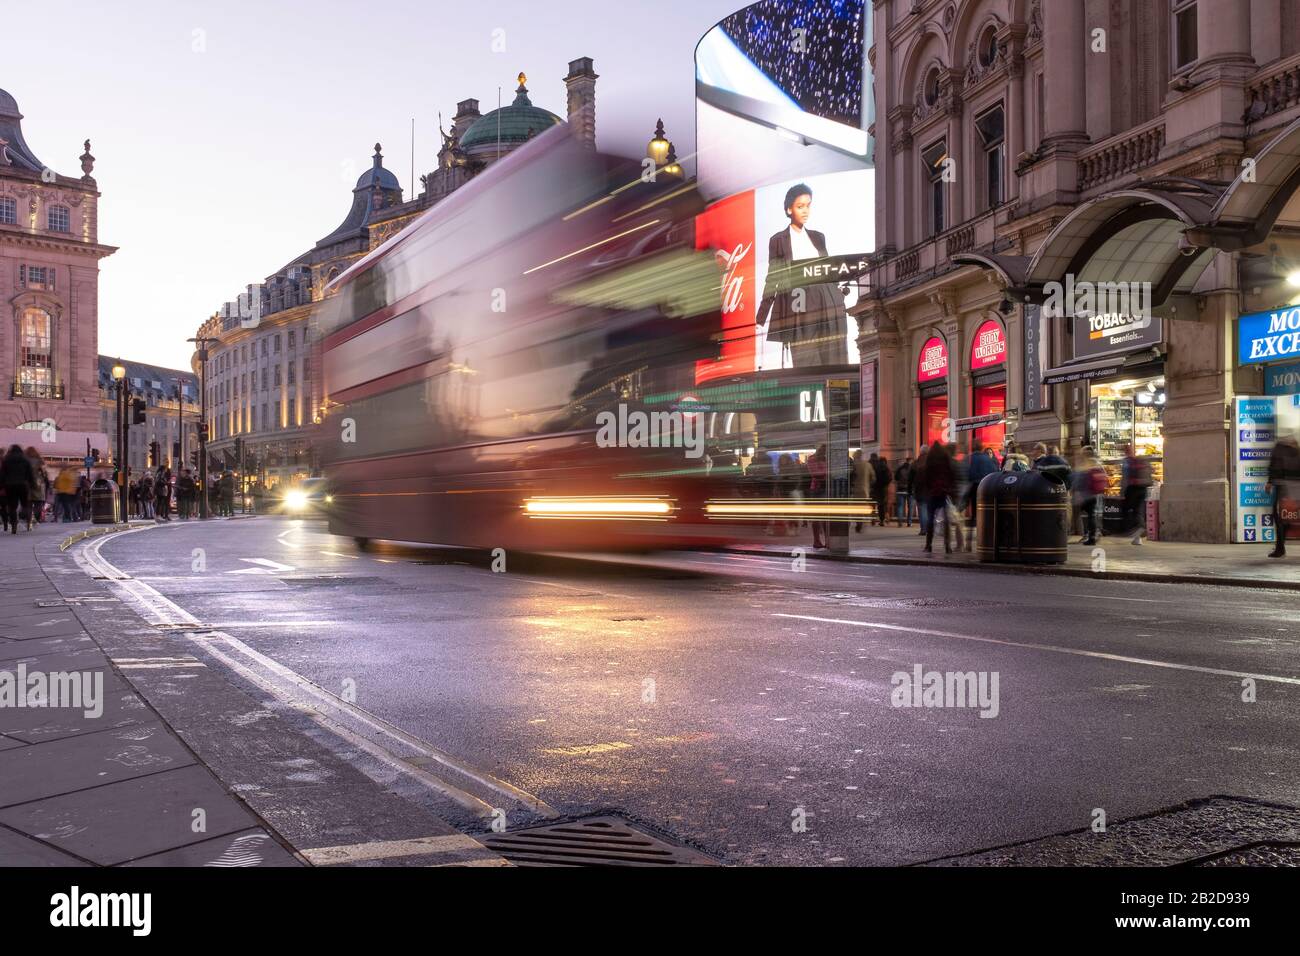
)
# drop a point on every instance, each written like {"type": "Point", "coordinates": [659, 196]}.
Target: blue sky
{"type": "Point", "coordinates": [228, 134]}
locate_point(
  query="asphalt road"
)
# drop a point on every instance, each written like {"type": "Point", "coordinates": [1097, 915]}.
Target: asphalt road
{"type": "Point", "coordinates": [726, 698]}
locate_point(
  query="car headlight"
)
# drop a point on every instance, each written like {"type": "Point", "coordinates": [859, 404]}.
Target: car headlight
{"type": "Point", "coordinates": [295, 500]}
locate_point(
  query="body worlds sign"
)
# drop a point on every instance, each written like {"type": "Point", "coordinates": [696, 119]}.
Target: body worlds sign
{"type": "Point", "coordinates": [1268, 336]}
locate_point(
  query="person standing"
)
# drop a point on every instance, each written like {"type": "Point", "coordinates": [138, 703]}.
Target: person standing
{"type": "Point", "coordinates": [817, 489]}
{"type": "Point", "coordinates": [185, 494]}
{"type": "Point", "coordinates": [1283, 481]}
{"type": "Point", "coordinates": [16, 477]}
{"type": "Point", "coordinates": [66, 487]}
{"type": "Point", "coordinates": [228, 494]}
{"type": "Point", "coordinates": [940, 480]}
{"type": "Point", "coordinates": [162, 490]}
{"type": "Point", "coordinates": [903, 486]}
{"type": "Point", "coordinates": [919, 490]}
{"type": "Point", "coordinates": [883, 477]}
{"type": "Point", "coordinates": [1136, 482]}
{"type": "Point", "coordinates": [39, 489]}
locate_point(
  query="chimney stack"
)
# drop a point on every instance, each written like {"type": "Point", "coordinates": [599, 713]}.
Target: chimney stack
{"type": "Point", "coordinates": [581, 84]}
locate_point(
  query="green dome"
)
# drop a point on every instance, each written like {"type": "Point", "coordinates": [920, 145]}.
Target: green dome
{"type": "Point", "coordinates": [518, 122]}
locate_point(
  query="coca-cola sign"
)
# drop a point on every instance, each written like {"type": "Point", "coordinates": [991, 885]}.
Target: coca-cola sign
{"type": "Point", "coordinates": [933, 363]}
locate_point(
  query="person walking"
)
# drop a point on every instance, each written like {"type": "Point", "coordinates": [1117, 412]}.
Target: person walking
{"type": "Point", "coordinates": [982, 464]}
{"type": "Point", "coordinates": [919, 491]}
{"type": "Point", "coordinates": [227, 494]}
{"type": "Point", "coordinates": [1014, 460]}
{"type": "Point", "coordinates": [1136, 482]}
{"type": "Point", "coordinates": [39, 488]}
{"type": "Point", "coordinates": [146, 496]}
{"type": "Point", "coordinates": [185, 494]}
{"type": "Point", "coordinates": [16, 477]}
{"type": "Point", "coordinates": [1283, 481]}
{"type": "Point", "coordinates": [903, 488]}
{"type": "Point", "coordinates": [66, 488]}
{"type": "Point", "coordinates": [83, 497]}
{"type": "Point", "coordinates": [940, 480]}
{"type": "Point", "coordinates": [1089, 485]}
{"type": "Point", "coordinates": [883, 477]}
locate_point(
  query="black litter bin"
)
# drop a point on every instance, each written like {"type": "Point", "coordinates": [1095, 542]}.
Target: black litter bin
{"type": "Point", "coordinates": [104, 501]}
{"type": "Point", "coordinates": [1024, 516]}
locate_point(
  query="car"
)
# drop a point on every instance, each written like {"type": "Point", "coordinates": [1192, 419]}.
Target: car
{"type": "Point", "coordinates": [309, 496]}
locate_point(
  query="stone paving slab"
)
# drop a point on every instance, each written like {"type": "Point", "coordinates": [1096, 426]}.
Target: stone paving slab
{"type": "Point", "coordinates": [132, 819]}
{"type": "Point", "coordinates": [247, 848]}
{"type": "Point", "coordinates": [85, 659]}
{"type": "Point", "coordinates": [89, 760]}
{"type": "Point", "coordinates": [61, 626]}
{"type": "Point", "coordinates": [11, 650]}
{"type": "Point", "coordinates": [122, 707]}
{"type": "Point", "coordinates": [9, 743]}
{"type": "Point", "coordinates": [19, 850]}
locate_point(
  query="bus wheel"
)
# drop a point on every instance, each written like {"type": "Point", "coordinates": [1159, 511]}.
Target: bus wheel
{"type": "Point", "coordinates": [363, 544]}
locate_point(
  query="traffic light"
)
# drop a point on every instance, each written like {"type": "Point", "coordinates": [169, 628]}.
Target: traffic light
{"type": "Point", "coordinates": [194, 459]}
{"type": "Point", "coordinates": [138, 409]}
{"type": "Point", "coordinates": [155, 454]}
{"type": "Point", "coordinates": [176, 451]}
{"type": "Point", "coordinates": [203, 432]}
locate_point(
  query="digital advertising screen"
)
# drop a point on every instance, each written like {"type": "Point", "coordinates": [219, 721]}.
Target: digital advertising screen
{"type": "Point", "coordinates": [783, 85]}
{"type": "Point", "coordinates": [791, 254]}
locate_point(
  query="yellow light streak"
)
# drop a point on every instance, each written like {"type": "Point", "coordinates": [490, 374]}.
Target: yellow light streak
{"type": "Point", "coordinates": [594, 245]}
{"type": "Point", "coordinates": [580, 508]}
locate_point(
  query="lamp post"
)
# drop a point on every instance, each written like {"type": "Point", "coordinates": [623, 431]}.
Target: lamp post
{"type": "Point", "coordinates": [201, 346]}
{"type": "Point", "coordinates": [119, 377]}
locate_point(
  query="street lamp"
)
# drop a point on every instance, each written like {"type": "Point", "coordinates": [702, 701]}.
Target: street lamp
{"type": "Point", "coordinates": [201, 346]}
{"type": "Point", "coordinates": [119, 377]}
{"type": "Point", "coordinates": [659, 146]}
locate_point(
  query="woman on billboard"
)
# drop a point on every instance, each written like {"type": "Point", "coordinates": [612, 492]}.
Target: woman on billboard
{"type": "Point", "coordinates": [810, 319]}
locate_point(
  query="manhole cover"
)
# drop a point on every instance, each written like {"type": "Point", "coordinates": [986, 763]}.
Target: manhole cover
{"type": "Point", "coordinates": [594, 841]}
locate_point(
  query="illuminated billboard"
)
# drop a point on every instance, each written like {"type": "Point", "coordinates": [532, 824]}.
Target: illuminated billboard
{"type": "Point", "coordinates": [791, 254]}
{"type": "Point", "coordinates": [783, 86]}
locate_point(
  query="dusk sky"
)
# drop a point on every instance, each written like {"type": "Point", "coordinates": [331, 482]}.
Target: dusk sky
{"type": "Point", "coordinates": [228, 135]}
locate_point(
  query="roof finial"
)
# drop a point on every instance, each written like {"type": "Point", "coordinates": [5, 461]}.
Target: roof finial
{"type": "Point", "coordinates": [87, 162]}
{"type": "Point", "coordinates": [379, 156]}
{"type": "Point", "coordinates": [523, 80]}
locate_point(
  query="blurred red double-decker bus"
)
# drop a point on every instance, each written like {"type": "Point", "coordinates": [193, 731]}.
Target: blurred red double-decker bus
{"type": "Point", "coordinates": [486, 370]}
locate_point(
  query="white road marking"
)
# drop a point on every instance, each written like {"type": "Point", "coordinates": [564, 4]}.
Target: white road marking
{"type": "Point", "coordinates": [390, 849]}
{"type": "Point", "coordinates": [389, 744]}
{"type": "Point", "coordinates": [267, 567]}
{"type": "Point", "coordinates": [1112, 597]}
{"type": "Point", "coordinates": [1048, 647]}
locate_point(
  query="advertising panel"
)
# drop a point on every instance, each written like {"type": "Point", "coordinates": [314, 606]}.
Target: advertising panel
{"type": "Point", "coordinates": [790, 255]}
{"type": "Point", "coordinates": [1038, 358]}
{"type": "Point", "coordinates": [990, 346]}
{"type": "Point", "coordinates": [1268, 336]}
{"type": "Point", "coordinates": [1107, 334]}
{"type": "Point", "coordinates": [933, 361]}
{"type": "Point", "coordinates": [1257, 423]}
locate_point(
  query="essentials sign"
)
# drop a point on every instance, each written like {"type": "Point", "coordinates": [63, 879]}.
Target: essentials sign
{"type": "Point", "coordinates": [1268, 336]}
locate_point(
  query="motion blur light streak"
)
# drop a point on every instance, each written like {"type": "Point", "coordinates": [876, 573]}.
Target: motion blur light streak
{"type": "Point", "coordinates": [622, 508]}
{"type": "Point", "coordinates": [781, 508]}
{"type": "Point", "coordinates": [594, 245]}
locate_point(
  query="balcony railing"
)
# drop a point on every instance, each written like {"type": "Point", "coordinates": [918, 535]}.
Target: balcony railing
{"type": "Point", "coordinates": [1277, 91]}
{"type": "Point", "coordinates": [37, 390]}
{"type": "Point", "coordinates": [1120, 155]}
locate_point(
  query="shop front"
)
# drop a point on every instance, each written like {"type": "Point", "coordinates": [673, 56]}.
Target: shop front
{"type": "Point", "coordinates": [988, 368]}
{"type": "Point", "coordinates": [1120, 360]}
{"type": "Point", "coordinates": [1270, 340]}
{"type": "Point", "coordinates": [932, 385]}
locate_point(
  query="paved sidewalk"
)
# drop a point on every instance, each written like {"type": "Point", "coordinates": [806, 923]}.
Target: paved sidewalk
{"type": "Point", "coordinates": [1239, 565]}
{"type": "Point", "coordinates": [96, 778]}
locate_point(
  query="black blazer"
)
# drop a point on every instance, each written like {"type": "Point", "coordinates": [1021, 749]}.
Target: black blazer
{"type": "Point", "coordinates": [780, 255]}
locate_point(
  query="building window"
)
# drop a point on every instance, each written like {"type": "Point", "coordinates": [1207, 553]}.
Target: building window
{"type": "Point", "coordinates": [931, 91]}
{"type": "Point", "coordinates": [277, 375]}
{"type": "Point", "coordinates": [276, 423]}
{"type": "Point", "coordinates": [306, 368]}
{"type": "Point", "coordinates": [264, 346]}
{"type": "Point", "coordinates": [292, 337]}
{"type": "Point", "coordinates": [1186, 51]}
{"type": "Point", "coordinates": [988, 48]}
{"type": "Point", "coordinates": [990, 126]}
{"type": "Point", "coordinates": [8, 211]}
{"type": "Point", "coordinates": [36, 355]}
{"type": "Point", "coordinates": [265, 386]}
{"type": "Point", "coordinates": [934, 158]}
{"type": "Point", "coordinates": [36, 277]}
{"type": "Point", "coordinates": [292, 377]}
{"type": "Point", "coordinates": [277, 343]}
{"type": "Point", "coordinates": [57, 220]}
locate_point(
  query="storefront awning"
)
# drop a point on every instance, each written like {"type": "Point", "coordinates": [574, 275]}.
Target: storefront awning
{"type": "Point", "coordinates": [65, 446]}
{"type": "Point", "coordinates": [1082, 371]}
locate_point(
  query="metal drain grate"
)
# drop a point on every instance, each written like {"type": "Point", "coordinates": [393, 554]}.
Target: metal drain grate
{"type": "Point", "coordinates": [594, 841]}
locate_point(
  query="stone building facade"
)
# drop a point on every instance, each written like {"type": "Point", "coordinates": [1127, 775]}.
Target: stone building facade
{"type": "Point", "coordinates": [171, 414]}
{"type": "Point", "coordinates": [49, 298]}
{"type": "Point", "coordinates": [1025, 147]}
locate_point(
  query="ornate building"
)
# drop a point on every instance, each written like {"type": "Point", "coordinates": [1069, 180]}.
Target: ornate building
{"type": "Point", "coordinates": [1026, 148]}
{"type": "Point", "coordinates": [171, 399]}
{"type": "Point", "coordinates": [49, 298]}
{"type": "Point", "coordinates": [262, 377]}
